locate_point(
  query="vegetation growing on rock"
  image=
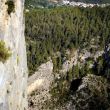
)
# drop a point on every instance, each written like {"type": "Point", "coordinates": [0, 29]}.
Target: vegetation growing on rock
{"type": "Point", "coordinates": [92, 90]}
{"type": "Point", "coordinates": [11, 6]}
{"type": "Point", "coordinates": [4, 52]}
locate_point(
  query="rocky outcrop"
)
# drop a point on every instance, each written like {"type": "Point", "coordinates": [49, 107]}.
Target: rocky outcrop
{"type": "Point", "coordinates": [13, 73]}
{"type": "Point", "coordinates": [44, 80]}
{"type": "Point", "coordinates": [39, 86]}
{"type": "Point", "coordinates": [92, 94]}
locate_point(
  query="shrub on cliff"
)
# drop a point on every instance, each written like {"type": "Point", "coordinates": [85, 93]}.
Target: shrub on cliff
{"type": "Point", "coordinates": [4, 52]}
{"type": "Point", "coordinates": [11, 6]}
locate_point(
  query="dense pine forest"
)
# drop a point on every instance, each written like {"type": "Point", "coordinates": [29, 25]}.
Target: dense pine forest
{"type": "Point", "coordinates": [50, 31]}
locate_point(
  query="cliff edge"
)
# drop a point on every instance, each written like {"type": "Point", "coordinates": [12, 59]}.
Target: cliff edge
{"type": "Point", "coordinates": [13, 71]}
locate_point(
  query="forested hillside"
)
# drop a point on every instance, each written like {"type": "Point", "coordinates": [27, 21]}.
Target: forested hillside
{"type": "Point", "coordinates": [50, 31]}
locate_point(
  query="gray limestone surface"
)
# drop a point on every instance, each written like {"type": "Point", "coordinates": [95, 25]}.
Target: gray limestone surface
{"type": "Point", "coordinates": [13, 73]}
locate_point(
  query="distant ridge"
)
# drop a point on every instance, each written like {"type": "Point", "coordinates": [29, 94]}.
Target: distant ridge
{"type": "Point", "coordinates": [92, 1]}
{"type": "Point", "coordinates": [51, 3]}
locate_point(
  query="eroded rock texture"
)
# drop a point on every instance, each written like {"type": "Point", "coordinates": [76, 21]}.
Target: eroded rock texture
{"type": "Point", "coordinates": [39, 86]}
{"type": "Point", "coordinates": [92, 94]}
{"type": "Point", "coordinates": [13, 73]}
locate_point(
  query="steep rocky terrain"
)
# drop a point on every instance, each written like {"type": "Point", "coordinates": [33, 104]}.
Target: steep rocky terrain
{"type": "Point", "coordinates": [92, 94]}
{"type": "Point", "coordinates": [39, 85]}
{"type": "Point", "coordinates": [49, 90]}
{"type": "Point", "coordinates": [77, 41]}
{"type": "Point", "coordinates": [13, 70]}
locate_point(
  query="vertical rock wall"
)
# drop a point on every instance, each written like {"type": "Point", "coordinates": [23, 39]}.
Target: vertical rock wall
{"type": "Point", "coordinates": [13, 73]}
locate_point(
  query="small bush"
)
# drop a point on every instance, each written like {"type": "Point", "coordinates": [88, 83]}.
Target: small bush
{"type": "Point", "coordinates": [11, 6]}
{"type": "Point", "coordinates": [4, 52]}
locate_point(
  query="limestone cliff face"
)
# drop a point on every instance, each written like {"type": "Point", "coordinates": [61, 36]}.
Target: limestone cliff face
{"type": "Point", "coordinates": [13, 73]}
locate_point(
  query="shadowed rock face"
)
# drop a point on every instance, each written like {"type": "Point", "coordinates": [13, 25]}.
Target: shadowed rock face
{"type": "Point", "coordinates": [92, 94]}
{"type": "Point", "coordinates": [13, 73]}
{"type": "Point", "coordinates": [75, 84]}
